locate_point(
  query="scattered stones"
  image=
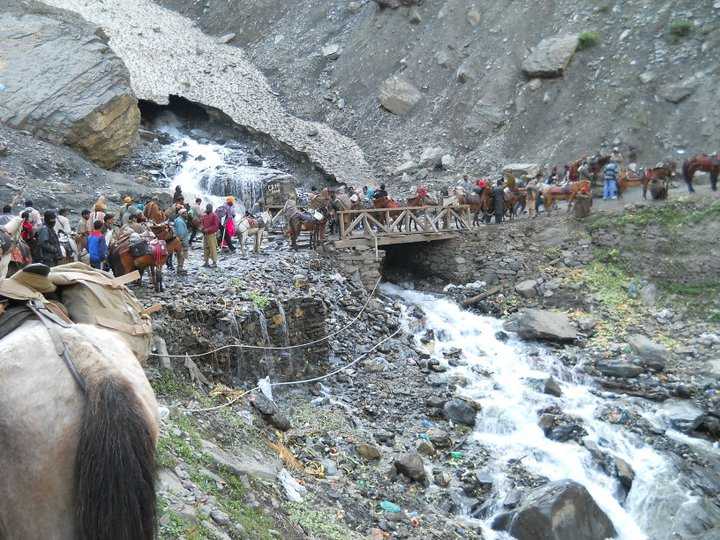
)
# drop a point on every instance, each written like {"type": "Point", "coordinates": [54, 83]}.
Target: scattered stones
{"type": "Point", "coordinates": [621, 369]}
{"type": "Point", "coordinates": [412, 466]}
{"type": "Point", "coordinates": [679, 92]}
{"type": "Point", "coordinates": [550, 57]}
{"type": "Point", "coordinates": [398, 96]}
{"type": "Point", "coordinates": [527, 288]}
{"type": "Point", "coordinates": [653, 355]}
{"type": "Point", "coordinates": [460, 412]}
{"type": "Point", "coordinates": [558, 510]}
{"type": "Point", "coordinates": [426, 448]}
{"type": "Point", "coordinates": [414, 16]}
{"type": "Point", "coordinates": [431, 157]}
{"type": "Point", "coordinates": [545, 325]}
{"type": "Point", "coordinates": [447, 161]}
{"type": "Point", "coordinates": [368, 451]}
{"type": "Point", "coordinates": [473, 17]}
{"type": "Point", "coordinates": [331, 51]}
{"type": "Point", "coordinates": [439, 438]}
{"type": "Point", "coordinates": [227, 38]}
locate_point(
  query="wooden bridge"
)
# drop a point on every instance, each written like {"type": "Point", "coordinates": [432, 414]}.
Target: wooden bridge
{"type": "Point", "coordinates": [388, 226]}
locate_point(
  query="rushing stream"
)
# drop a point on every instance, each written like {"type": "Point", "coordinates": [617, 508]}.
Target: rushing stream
{"type": "Point", "coordinates": [508, 424]}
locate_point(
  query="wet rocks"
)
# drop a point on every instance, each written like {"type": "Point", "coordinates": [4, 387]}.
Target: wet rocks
{"type": "Point", "coordinates": [411, 466]}
{"type": "Point", "coordinates": [618, 368]}
{"type": "Point", "coordinates": [398, 96]}
{"type": "Point", "coordinates": [558, 426]}
{"type": "Point", "coordinates": [544, 325]}
{"type": "Point", "coordinates": [439, 438]}
{"type": "Point", "coordinates": [550, 57]}
{"type": "Point", "coordinates": [552, 387]}
{"type": "Point", "coordinates": [270, 413]}
{"type": "Point", "coordinates": [64, 84]}
{"type": "Point", "coordinates": [562, 510]}
{"type": "Point", "coordinates": [460, 412]}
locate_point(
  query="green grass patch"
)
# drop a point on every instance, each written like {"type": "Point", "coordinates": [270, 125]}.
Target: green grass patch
{"type": "Point", "coordinates": [680, 28]}
{"type": "Point", "coordinates": [671, 215]}
{"type": "Point", "coordinates": [588, 39]}
{"type": "Point", "coordinates": [260, 301]}
{"type": "Point", "coordinates": [699, 300]}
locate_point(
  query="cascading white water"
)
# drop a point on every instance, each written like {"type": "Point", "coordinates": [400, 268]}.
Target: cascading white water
{"type": "Point", "coordinates": [212, 171]}
{"type": "Point", "coordinates": [508, 423]}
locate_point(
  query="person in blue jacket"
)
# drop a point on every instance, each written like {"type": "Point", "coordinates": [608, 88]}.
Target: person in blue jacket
{"type": "Point", "coordinates": [96, 245]}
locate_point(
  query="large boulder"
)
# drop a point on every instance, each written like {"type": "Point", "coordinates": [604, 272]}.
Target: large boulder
{"type": "Point", "coordinates": [398, 96]}
{"type": "Point", "coordinates": [562, 510]}
{"type": "Point", "coordinates": [550, 57]}
{"type": "Point", "coordinates": [652, 354]}
{"type": "Point", "coordinates": [544, 325]}
{"type": "Point", "coordinates": [64, 83]}
{"type": "Point", "coordinates": [460, 412]}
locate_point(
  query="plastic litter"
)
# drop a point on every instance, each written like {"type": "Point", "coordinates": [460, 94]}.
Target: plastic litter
{"type": "Point", "coordinates": [390, 507]}
{"type": "Point", "coordinates": [266, 387]}
{"type": "Point", "coordinates": [456, 455]}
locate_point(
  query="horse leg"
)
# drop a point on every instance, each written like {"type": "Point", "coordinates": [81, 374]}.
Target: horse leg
{"type": "Point", "coordinates": [714, 179]}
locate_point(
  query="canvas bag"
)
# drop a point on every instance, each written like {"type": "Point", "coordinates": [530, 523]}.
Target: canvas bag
{"type": "Point", "coordinates": [94, 297]}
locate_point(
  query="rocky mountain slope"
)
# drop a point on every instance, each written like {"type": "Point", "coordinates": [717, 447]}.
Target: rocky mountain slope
{"type": "Point", "coordinates": [645, 74]}
{"type": "Point", "coordinates": [167, 55]}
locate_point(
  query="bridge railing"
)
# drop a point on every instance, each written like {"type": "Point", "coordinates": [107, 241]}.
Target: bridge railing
{"type": "Point", "coordinates": [411, 220]}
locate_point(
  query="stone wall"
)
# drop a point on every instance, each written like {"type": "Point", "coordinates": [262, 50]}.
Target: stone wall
{"type": "Point", "coordinates": [360, 263]}
{"type": "Point", "coordinates": [200, 329]}
{"type": "Point", "coordinates": [493, 253]}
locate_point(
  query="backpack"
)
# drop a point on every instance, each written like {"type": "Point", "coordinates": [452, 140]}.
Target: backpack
{"type": "Point", "coordinates": [93, 297]}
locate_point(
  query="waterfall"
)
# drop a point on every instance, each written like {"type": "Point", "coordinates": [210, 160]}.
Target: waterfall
{"type": "Point", "coordinates": [212, 171]}
{"type": "Point", "coordinates": [284, 330]}
{"type": "Point", "coordinates": [508, 422]}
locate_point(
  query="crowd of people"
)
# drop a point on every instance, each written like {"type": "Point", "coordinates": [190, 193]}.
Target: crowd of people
{"type": "Point", "coordinates": [53, 240]}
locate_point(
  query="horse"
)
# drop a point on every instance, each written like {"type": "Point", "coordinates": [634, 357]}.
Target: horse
{"type": "Point", "coordinates": [77, 453]}
{"type": "Point", "coordinates": [421, 199]}
{"type": "Point", "coordinates": [387, 203]}
{"type": "Point", "coordinates": [153, 213]}
{"type": "Point", "coordinates": [705, 163]}
{"type": "Point", "coordinates": [9, 242]}
{"type": "Point", "coordinates": [568, 192]}
{"type": "Point", "coordinates": [478, 202]}
{"type": "Point", "coordinates": [123, 262]}
{"type": "Point", "coordinates": [657, 179]}
{"type": "Point", "coordinates": [515, 201]}
{"type": "Point", "coordinates": [246, 226]}
{"type": "Point", "coordinates": [299, 221]}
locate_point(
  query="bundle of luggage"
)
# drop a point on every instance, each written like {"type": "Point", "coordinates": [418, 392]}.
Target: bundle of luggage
{"type": "Point", "coordinates": [78, 293]}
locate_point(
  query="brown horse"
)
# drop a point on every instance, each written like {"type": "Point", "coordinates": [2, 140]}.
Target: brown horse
{"type": "Point", "coordinates": [705, 163]}
{"type": "Point", "coordinates": [123, 262]}
{"type": "Point", "coordinates": [657, 179]}
{"type": "Point", "coordinates": [153, 213]}
{"type": "Point", "coordinates": [314, 223]}
{"type": "Point", "coordinates": [478, 202]}
{"type": "Point", "coordinates": [515, 201]}
{"type": "Point", "coordinates": [386, 203]}
{"type": "Point", "coordinates": [569, 192]}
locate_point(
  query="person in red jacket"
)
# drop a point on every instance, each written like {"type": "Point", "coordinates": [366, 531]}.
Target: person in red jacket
{"type": "Point", "coordinates": [210, 225]}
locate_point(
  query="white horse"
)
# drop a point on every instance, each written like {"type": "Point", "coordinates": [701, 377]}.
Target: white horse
{"type": "Point", "coordinates": [9, 236]}
{"type": "Point", "coordinates": [75, 464]}
{"type": "Point", "coordinates": [243, 229]}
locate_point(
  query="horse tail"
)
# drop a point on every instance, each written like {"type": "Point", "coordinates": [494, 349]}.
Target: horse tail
{"type": "Point", "coordinates": [115, 467]}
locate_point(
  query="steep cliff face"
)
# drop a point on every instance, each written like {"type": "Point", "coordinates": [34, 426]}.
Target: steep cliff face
{"type": "Point", "coordinates": [60, 80]}
{"type": "Point", "coordinates": [641, 73]}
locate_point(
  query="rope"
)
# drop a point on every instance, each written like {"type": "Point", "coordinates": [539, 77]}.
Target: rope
{"type": "Point", "coordinates": [303, 381]}
{"type": "Point", "coordinates": [272, 348]}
